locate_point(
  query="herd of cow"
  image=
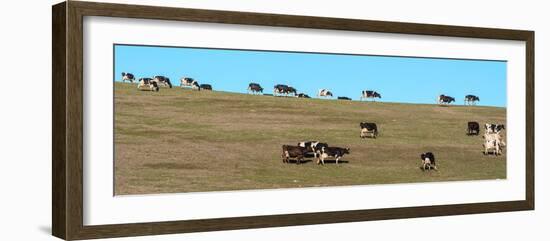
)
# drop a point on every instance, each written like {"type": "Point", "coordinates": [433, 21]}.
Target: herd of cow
{"type": "Point", "coordinates": [320, 151]}
{"type": "Point", "coordinates": [493, 141]}
{"type": "Point", "coordinates": [153, 84]}
{"type": "Point", "coordinates": [493, 138]}
{"type": "Point", "coordinates": [285, 90]}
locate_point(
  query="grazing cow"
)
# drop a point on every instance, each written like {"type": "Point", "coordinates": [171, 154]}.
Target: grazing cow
{"type": "Point", "coordinates": [493, 128]}
{"type": "Point", "coordinates": [279, 89]}
{"type": "Point", "coordinates": [128, 77]}
{"type": "Point", "coordinates": [296, 152]}
{"type": "Point", "coordinates": [370, 94]}
{"type": "Point", "coordinates": [343, 98]}
{"type": "Point", "coordinates": [326, 152]}
{"type": "Point", "coordinates": [494, 143]}
{"type": "Point", "coordinates": [187, 82]}
{"type": "Point", "coordinates": [312, 146]}
{"type": "Point", "coordinates": [494, 136]}
{"type": "Point", "coordinates": [445, 100]}
{"type": "Point", "coordinates": [291, 90]}
{"type": "Point", "coordinates": [147, 84]}
{"type": "Point", "coordinates": [473, 128]}
{"type": "Point", "coordinates": [190, 82]}
{"type": "Point", "coordinates": [162, 80]}
{"type": "Point", "coordinates": [206, 87]}
{"type": "Point", "coordinates": [195, 86]}
{"type": "Point", "coordinates": [470, 100]}
{"type": "Point", "coordinates": [283, 90]}
{"type": "Point", "coordinates": [368, 128]}
{"type": "Point", "coordinates": [428, 161]}
{"type": "Point", "coordinates": [255, 88]}
{"type": "Point", "coordinates": [324, 93]}
{"type": "Point", "coordinates": [302, 95]}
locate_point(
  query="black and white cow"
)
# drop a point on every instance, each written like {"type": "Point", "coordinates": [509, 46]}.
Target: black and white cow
{"type": "Point", "coordinates": [324, 93]}
{"type": "Point", "coordinates": [370, 94]}
{"type": "Point", "coordinates": [195, 86]}
{"type": "Point", "coordinates": [302, 95]}
{"type": "Point", "coordinates": [473, 128]}
{"type": "Point", "coordinates": [255, 88]}
{"type": "Point", "coordinates": [470, 100]}
{"type": "Point", "coordinates": [312, 146]}
{"type": "Point", "coordinates": [493, 128]}
{"type": "Point", "coordinates": [283, 90]}
{"type": "Point", "coordinates": [205, 87]}
{"type": "Point", "coordinates": [296, 152]}
{"type": "Point", "coordinates": [334, 152]}
{"type": "Point", "coordinates": [427, 161]}
{"type": "Point", "coordinates": [445, 100]}
{"type": "Point", "coordinates": [368, 128]}
{"type": "Point", "coordinates": [162, 81]}
{"type": "Point", "coordinates": [128, 77]}
{"type": "Point", "coordinates": [493, 143]}
{"type": "Point", "coordinates": [147, 84]}
{"type": "Point", "coordinates": [291, 90]}
{"type": "Point", "coordinates": [343, 98]}
{"type": "Point", "coordinates": [279, 89]}
{"type": "Point", "coordinates": [187, 82]}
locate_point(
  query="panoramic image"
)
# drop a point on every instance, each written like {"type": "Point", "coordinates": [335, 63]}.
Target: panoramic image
{"type": "Point", "coordinates": [190, 119]}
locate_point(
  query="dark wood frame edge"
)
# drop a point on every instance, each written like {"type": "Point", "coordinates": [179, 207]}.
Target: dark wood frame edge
{"type": "Point", "coordinates": [58, 120]}
{"type": "Point", "coordinates": [67, 170]}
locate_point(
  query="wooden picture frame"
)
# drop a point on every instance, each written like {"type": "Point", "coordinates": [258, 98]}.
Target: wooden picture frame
{"type": "Point", "coordinates": [67, 124]}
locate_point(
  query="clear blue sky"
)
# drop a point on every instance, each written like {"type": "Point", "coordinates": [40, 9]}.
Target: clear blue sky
{"type": "Point", "coordinates": [397, 79]}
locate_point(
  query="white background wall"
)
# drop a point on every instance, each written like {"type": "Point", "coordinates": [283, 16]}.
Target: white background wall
{"type": "Point", "coordinates": [25, 122]}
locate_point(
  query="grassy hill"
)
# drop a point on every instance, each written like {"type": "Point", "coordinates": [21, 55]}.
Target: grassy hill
{"type": "Point", "coordinates": [185, 141]}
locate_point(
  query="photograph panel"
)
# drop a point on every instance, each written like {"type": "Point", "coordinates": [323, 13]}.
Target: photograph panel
{"type": "Point", "coordinates": [204, 119]}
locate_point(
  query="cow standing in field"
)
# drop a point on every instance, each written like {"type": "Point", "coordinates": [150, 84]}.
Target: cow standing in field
{"type": "Point", "coordinates": [368, 128]}
{"type": "Point", "coordinates": [302, 95]}
{"type": "Point", "coordinates": [493, 139]}
{"type": "Point", "coordinates": [255, 88]}
{"type": "Point", "coordinates": [279, 89]}
{"type": "Point", "coordinates": [205, 87]}
{"type": "Point", "coordinates": [473, 128]}
{"type": "Point", "coordinates": [128, 77]}
{"type": "Point", "coordinates": [312, 146]}
{"type": "Point", "coordinates": [283, 90]}
{"type": "Point", "coordinates": [445, 100]}
{"type": "Point", "coordinates": [494, 143]}
{"type": "Point", "coordinates": [291, 90]}
{"type": "Point", "coordinates": [324, 93]}
{"type": "Point", "coordinates": [427, 161]}
{"type": "Point", "coordinates": [296, 152]}
{"type": "Point", "coordinates": [162, 80]}
{"type": "Point", "coordinates": [195, 86]}
{"type": "Point", "coordinates": [187, 82]}
{"type": "Point", "coordinates": [493, 128]}
{"type": "Point", "coordinates": [147, 84]}
{"type": "Point", "coordinates": [470, 100]}
{"type": "Point", "coordinates": [370, 94]}
{"type": "Point", "coordinates": [335, 152]}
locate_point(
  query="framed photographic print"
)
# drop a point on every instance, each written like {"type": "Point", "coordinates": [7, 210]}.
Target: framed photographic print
{"type": "Point", "coordinates": [171, 120]}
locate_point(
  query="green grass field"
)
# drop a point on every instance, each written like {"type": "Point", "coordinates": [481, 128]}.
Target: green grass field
{"type": "Point", "coordinates": [179, 140]}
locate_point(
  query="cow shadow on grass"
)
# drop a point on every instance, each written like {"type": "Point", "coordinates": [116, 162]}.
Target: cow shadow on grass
{"type": "Point", "coordinates": [315, 161]}
{"type": "Point", "coordinates": [334, 162]}
{"type": "Point", "coordinates": [291, 161]}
